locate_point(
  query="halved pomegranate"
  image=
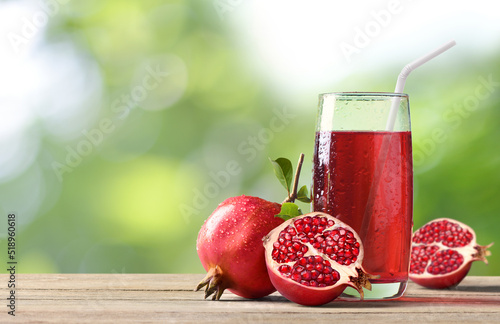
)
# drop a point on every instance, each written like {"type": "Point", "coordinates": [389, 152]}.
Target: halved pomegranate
{"type": "Point", "coordinates": [442, 253]}
{"type": "Point", "coordinates": [312, 258]}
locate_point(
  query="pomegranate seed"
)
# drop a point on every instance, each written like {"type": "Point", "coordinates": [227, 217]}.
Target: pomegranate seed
{"type": "Point", "coordinates": [298, 269]}
{"type": "Point", "coordinates": [284, 268]}
{"type": "Point", "coordinates": [329, 280]}
{"type": "Point", "coordinates": [327, 270]}
{"type": "Point", "coordinates": [306, 275]}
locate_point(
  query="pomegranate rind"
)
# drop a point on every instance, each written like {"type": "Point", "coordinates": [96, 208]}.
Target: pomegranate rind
{"type": "Point", "coordinates": [307, 296]}
{"type": "Point", "coordinates": [470, 252]}
{"type": "Point", "coordinates": [351, 275]}
{"type": "Point", "coordinates": [448, 280]}
{"type": "Point", "coordinates": [230, 242]}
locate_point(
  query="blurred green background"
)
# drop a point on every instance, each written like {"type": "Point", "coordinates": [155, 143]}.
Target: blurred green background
{"type": "Point", "coordinates": [119, 119]}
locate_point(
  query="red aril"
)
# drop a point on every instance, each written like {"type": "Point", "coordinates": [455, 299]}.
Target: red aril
{"type": "Point", "coordinates": [442, 253]}
{"type": "Point", "coordinates": [230, 248]}
{"type": "Point", "coordinates": [312, 258]}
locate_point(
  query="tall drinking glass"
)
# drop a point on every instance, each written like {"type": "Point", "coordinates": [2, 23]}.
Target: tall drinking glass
{"type": "Point", "coordinates": [363, 175]}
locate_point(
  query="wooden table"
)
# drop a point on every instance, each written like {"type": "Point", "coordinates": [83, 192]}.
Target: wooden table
{"type": "Point", "coordinates": [169, 298]}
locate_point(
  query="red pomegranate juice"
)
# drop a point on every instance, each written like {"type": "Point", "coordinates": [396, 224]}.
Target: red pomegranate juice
{"type": "Point", "coordinates": [345, 170]}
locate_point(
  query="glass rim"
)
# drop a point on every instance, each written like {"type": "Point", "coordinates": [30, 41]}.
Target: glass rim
{"type": "Point", "coordinates": [365, 94]}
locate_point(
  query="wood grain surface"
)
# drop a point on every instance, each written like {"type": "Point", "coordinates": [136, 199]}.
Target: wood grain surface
{"type": "Point", "coordinates": [169, 298]}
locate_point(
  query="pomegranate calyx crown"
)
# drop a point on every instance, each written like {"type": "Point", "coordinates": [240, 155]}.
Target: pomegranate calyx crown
{"type": "Point", "coordinates": [213, 283]}
{"type": "Point", "coordinates": [362, 281]}
{"type": "Point", "coordinates": [482, 252]}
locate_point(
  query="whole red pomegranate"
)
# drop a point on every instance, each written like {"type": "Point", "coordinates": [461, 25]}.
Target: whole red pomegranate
{"type": "Point", "coordinates": [230, 247]}
{"type": "Point", "coordinates": [312, 258]}
{"type": "Point", "coordinates": [442, 252]}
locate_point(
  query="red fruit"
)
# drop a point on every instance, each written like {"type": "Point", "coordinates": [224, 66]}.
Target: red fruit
{"type": "Point", "coordinates": [230, 248]}
{"type": "Point", "coordinates": [312, 258]}
{"type": "Point", "coordinates": [442, 252]}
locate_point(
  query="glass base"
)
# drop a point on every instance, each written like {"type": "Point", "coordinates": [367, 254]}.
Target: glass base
{"type": "Point", "coordinates": [380, 291]}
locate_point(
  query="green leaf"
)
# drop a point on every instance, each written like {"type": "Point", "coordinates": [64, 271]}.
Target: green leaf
{"type": "Point", "coordinates": [284, 172]}
{"type": "Point", "coordinates": [303, 195]}
{"type": "Point", "coordinates": [289, 210]}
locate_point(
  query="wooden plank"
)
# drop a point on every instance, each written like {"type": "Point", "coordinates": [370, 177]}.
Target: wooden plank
{"type": "Point", "coordinates": [127, 298]}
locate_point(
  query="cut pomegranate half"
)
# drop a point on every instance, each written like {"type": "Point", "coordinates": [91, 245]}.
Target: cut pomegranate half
{"type": "Point", "coordinates": [312, 258]}
{"type": "Point", "coordinates": [442, 253]}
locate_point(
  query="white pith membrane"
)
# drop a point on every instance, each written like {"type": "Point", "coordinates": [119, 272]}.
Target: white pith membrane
{"type": "Point", "coordinates": [343, 270]}
{"type": "Point", "coordinates": [443, 247]}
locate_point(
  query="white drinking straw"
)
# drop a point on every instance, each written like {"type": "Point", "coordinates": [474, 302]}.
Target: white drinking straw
{"type": "Point", "coordinates": [384, 149]}
{"type": "Point", "coordinates": [404, 74]}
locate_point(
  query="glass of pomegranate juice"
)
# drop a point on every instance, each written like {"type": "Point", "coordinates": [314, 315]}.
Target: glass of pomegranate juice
{"type": "Point", "coordinates": [363, 175]}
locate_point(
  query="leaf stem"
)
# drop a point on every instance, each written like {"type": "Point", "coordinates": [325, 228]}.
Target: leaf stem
{"type": "Point", "coordinates": [291, 197]}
